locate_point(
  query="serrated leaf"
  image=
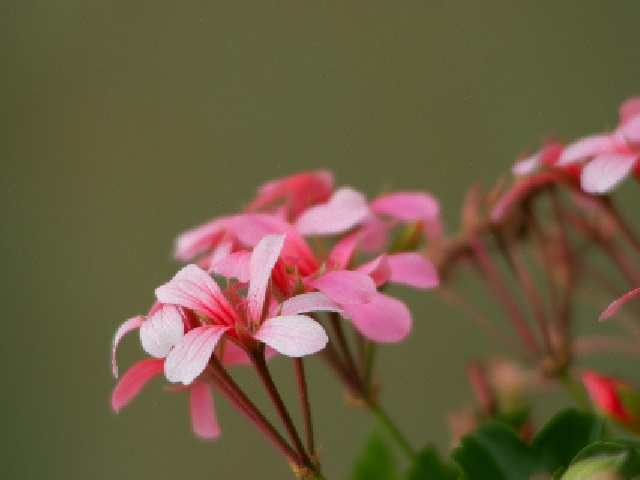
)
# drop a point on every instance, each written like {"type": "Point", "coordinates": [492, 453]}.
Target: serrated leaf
{"type": "Point", "coordinates": [375, 461]}
{"type": "Point", "coordinates": [564, 436]}
{"type": "Point", "coordinates": [495, 452]}
{"type": "Point", "coordinates": [429, 466]}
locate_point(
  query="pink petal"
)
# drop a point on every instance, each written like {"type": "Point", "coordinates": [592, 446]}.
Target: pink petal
{"type": "Point", "coordinates": [125, 328]}
{"type": "Point", "coordinates": [605, 171]}
{"type": "Point", "coordinates": [346, 209]}
{"type": "Point", "coordinates": [309, 302]}
{"type": "Point", "coordinates": [194, 288]}
{"type": "Point", "coordinates": [133, 380]}
{"type": "Point", "coordinates": [585, 148]}
{"type": "Point", "coordinates": [234, 355]}
{"type": "Point", "coordinates": [630, 131]}
{"type": "Point", "coordinates": [162, 331]}
{"type": "Point", "coordinates": [629, 108]}
{"type": "Point", "coordinates": [190, 356]}
{"type": "Point", "coordinates": [343, 250]}
{"type": "Point", "coordinates": [251, 228]}
{"type": "Point", "coordinates": [613, 308]}
{"type": "Point", "coordinates": [346, 287]}
{"type": "Point", "coordinates": [199, 239]}
{"type": "Point", "coordinates": [378, 269]}
{"type": "Point", "coordinates": [412, 269]}
{"type": "Point", "coordinates": [203, 414]}
{"type": "Point", "coordinates": [384, 319]}
{"type": "Point", "coordinates": [293, 335]}
{"type": "Point", "coordinates": [263, 259]}
{"type": "Point", "coordinates": [300, 191]}
{"type": "Point", "coordinates": [235, 265]}
{"type": "Point", "coordinates": [526, 165]}
{"type": "Point", "coordinates": [407, 206]}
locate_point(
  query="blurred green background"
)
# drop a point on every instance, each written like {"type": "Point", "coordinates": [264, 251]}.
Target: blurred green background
{"type": "Point", "coordinates": [124, 123]}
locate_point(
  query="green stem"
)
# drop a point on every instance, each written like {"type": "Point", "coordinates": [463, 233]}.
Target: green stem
{"type": "Point", "coordinates": [393, 430]}
{"type": "Point", "coordinates": [574, 390]}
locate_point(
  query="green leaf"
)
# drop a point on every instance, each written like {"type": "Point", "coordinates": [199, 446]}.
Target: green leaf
{"type": "Point", "coordinates": [562, 438]}
{"type": "Point", "coordinates": [495, 452]}
{"type": "Point", "coordinates": [429, 466]}
{"type": "Point", "coordinates": [375, 461]}
{"type": "Point", "coordinates": [613, 457]}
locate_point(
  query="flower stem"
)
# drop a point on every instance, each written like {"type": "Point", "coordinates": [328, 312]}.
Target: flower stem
{"type": "Point", "coordinates": [260, 364]}
{"type": "Point", "coordinates": [304, 401]}
{"type": "Point", "coordinates": [574, 390]}
{"type": "Point", "coordinates": [393, 430]}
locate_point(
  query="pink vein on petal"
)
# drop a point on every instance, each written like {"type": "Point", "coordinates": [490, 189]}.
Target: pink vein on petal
{"type": "Point", "coordinates": [263, 259]}
{"type": "Point", "coordinates": [293, 335]}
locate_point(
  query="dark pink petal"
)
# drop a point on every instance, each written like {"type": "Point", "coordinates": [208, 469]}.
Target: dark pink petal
{"type": "Point", "coordinates": [343, 250]}
{"type": "Point", "coordinates": [194, 288]}
{"type": "Point", "coordinates": [384, 319]}
{"type": "Point", "coordinates": [605, 171]}
{"type": "Point", "coordinates": [232, 354]}
{"type": "Point", "coordinates": [236, 265]}
{"type": "Point", "coordinates": [293, 335]}
{"type": "Point", "coordinates": [346, 287]}
{"type": "Point", "coordinates": [346, 209]}
{"type": "Point", "coordinates": [309, 302]}
{"type": "Point", "coordinates": [190, 356]}
{"type": "Point", "coordinates": [413, 269]}
{"type": "Point", "coordinates": [133, 380]}
{"type": "Point", "coordinates": [263, 259]}
{"type": "Point", "coordinates": [125, 328]}
{"type": "Point", "coordinates": [629, 108]}
{"type": "Point", "coordinates": [203, 414]}
{"type": "Point", "coordinates": [299, 191]}
{"type": "Point", "coordinates": [378, 269]}
{"type": "Point", "coordinates": [197, 240]}
{"type": "Point", "coordinates": [613, 308]}
{"type": "Point", "coordinates": [162, 331]}
{"type": "Point", "coordinates": [407, 206]}
{"type": "Point", "coordinates": [585, 148]}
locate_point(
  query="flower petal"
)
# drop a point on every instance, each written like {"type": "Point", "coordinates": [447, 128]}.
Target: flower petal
{"type": "Point", "coordinates": [345, 287]}
{"type": "Point", "coordinates": [190, 356]}
{"type": "Point", "coordinates": [293, 335]}
{"type": "Point", "coordinates": [384, 319]}
{"type": "Point", "coordinates": [125, 328]}
{"type": "Point", "coordinates": [407, 206]}
{"type": "Point", "coordinates": [586, 147]}
{"type": "Point", "coordinates": [605, 171]}
{"type": "Point", "coordinates": [613, 308]}
{"type": "Point", "coordinates": [378, 269]}
{"type": "Point", "coordinates": [263, 259]}
{"type": "Point", "coordinates": [412, 269]}
{"type": "Point", "coordinates": [162, 331]}
{"type": "Point", "coordinates": [630, 131]}
{"type": "Point", "coordinates": [234, 265]}
{"type": "Point", "coordinates": [346, 209]}
{"type": "Point", "coordinates": [310, 302]}
{"type": "Point", "coordinates": [133, 380]}
{"type": "Point", "coordinates": [194, 288]}
{"type": "Point", "coordinates": [629, 109]}
{"type": "Point", "coordinates": [199, 239]}
{"type": "Point", "coordinates": [203, 414]}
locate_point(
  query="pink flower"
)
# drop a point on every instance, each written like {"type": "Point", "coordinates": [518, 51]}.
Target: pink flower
{"type": "Point", "coordinates": [610, 157]}
{"type": "Point", "coordinates": [192, 288]}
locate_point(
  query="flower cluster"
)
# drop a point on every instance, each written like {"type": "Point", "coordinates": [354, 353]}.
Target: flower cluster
{"type": "Point", "coordinates": [299, 248]}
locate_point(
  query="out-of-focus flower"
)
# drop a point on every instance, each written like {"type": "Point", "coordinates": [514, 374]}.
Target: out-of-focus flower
{"type": "Point", "coordinates": [614, 398]}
